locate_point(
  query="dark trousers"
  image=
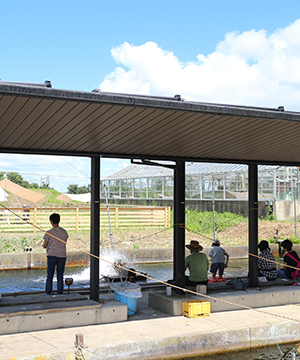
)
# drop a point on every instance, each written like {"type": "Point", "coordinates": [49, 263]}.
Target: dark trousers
{"type": "Point", "coordinates": [59, 263]}
{"type": "Point", "coordinates": [194, 283]}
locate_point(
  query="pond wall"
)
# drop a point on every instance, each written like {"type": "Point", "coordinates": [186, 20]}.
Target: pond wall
{"type": "Point", "coordinates": [29, 260]}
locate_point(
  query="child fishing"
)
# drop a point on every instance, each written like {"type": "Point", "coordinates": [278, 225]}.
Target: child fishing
{"type": "Point", "coordinates": [218, 263]}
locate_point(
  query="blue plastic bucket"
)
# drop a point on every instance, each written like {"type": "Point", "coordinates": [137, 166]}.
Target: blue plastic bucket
{"type": "Point", "coordinates": [127, 293]}
{"type": "Point", "coordinates": [131, 303]}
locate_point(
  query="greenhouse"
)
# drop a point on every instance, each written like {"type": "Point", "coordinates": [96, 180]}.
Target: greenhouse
{"type": "Point", "coordinates": [203, 181]}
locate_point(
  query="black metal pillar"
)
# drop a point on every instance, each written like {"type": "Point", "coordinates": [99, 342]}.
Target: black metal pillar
{"type": "Point", "coordinates": [253, 223]}
{"type": "Point", "coordinates": [179, 218]}
{"type": "Point", "coordinates": [95, 228]}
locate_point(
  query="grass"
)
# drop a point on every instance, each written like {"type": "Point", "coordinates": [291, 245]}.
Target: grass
{"type": "Point", "coordinates": [153, 237]}
{"type": "Point", "coordinates": [203, 221]}
{"type": "Point", "coordinates": [16, 243]}
{"type": "Point", "coordinates": [50, 196]}
{"type": "Point", "coordinates": [294, 239]}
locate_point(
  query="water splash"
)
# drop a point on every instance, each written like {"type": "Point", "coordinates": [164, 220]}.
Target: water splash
{"type": "Point", "coordinates": [105, 268]}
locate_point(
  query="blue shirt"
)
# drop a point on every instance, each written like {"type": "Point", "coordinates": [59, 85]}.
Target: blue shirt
{"type": "Point", "coordinates": [217, 254]}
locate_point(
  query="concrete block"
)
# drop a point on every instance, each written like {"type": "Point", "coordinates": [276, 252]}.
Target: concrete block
{"type": "Point", "coordinates": [201, 289]}
{"type": "Point", "coordinates": [113, 311]}
{"type": "Point", "coordinates": [50, 315]}
{"type": "Point", "coordinates": [254, 298]}
{"type": "Point", "coordinates": [168, 304]}
{"type": "Point", "coordinates": [225, 301]}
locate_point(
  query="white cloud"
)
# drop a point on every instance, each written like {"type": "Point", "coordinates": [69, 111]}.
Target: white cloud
{"type": "Point", "coordinates": [111, 165]}
{"type": "Point", "coordinates": [249, 68]}
{"type": "Point", "coordinates": [62, 170]}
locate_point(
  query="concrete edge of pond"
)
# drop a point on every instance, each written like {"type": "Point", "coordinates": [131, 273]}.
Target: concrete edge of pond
{"type": "Point", "coordinates": [30, 260]}
{"type": "Point", "coordinates": [160, 338]}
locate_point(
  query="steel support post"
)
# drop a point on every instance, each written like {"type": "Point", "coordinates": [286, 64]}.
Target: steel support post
{"type": "Point", "coordinates": [179, 220]}
{"type": "Point", "coordinates": [95, 228]}
{"type": "Point", "coordinates": [253, 224]}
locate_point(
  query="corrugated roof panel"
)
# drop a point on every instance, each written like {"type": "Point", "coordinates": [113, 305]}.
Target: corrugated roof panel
{"type": "Point", "coordinates": [76, 125]}
{"type": "Point", "coordinates": [50, 121]}
{"type": "Point", "coordinates": [147, 133]}
{"type": "Point", "coordinates": [170, 138]}
{"type": "Point", "coordinates": [103, 128]}
{"type": "Point", "coordinates": [39, 127]}
{"type": "Point", "coordinates": [16, 126]}
{"type": "Point", "coordinates": [88, 129]}
{"type": "Point", "coordinates": [119, 131]}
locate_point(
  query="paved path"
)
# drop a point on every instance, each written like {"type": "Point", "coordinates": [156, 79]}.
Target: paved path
{"type": "Point", "coordinates": [158, 338]}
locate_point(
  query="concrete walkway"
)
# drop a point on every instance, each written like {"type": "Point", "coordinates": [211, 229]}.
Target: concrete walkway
{"type": "Point", "coordinates": [153, 335]}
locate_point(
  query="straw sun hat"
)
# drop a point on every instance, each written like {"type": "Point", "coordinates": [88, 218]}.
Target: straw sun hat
{"type": "Point", "coordinates": [194, 245]}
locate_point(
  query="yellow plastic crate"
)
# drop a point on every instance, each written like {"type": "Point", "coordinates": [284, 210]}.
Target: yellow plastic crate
{"type": "Point", "coordinates": [196, 308]}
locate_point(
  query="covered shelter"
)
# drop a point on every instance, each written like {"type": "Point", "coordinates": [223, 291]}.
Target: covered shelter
{"type": "Point", "coordinates": [40, 120]}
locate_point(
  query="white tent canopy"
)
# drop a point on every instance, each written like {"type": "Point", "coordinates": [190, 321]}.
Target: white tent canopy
{"type": "Point", "coordinates": [80, 197]}
{"type": "Point", "coordinates": [3, 195]}
{"type": "Point", "coordinates": [75, 197]}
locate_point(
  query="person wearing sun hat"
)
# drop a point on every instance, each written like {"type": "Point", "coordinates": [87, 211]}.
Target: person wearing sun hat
{"type": "Point", "coordinates": [197, 264]}
{"type": "Point", "coordinates": [217, 255]}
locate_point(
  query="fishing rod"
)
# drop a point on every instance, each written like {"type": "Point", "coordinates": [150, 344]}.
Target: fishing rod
{"type": "Point", "coordinates": [110, 229]}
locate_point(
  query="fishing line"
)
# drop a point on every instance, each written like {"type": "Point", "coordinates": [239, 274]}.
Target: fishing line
{"type": "Point", "coordinates": [88, 177]}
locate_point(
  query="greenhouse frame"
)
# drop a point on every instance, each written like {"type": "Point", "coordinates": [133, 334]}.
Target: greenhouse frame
{"type": "Point", "coordinates": [204, 181]}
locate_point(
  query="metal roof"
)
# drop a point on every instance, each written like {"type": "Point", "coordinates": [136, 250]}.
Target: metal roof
{"type": "Point", "coordinates": [144, 171]}
{"type": "Point", "coordinates": [42, 120]}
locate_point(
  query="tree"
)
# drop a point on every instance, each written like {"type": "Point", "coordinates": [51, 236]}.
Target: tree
{"type": "Point", "coordinates": [2, 175]}
{"type": "Point", "coordinates": [75, 189]}
{"type": "Point", "coordinates": [72, 189]}
{"type": "Point", "coordinates": [16, 178]}
{"type": "Point", "coordinates": [45, 185]}
{"type": "Point", "coordinates": [34, 185]}
{"type": "Point", "coordinates": [83, 189]}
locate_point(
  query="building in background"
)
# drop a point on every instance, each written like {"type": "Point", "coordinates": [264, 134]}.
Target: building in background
{"type": "Point", "coordinates": [204, 182]}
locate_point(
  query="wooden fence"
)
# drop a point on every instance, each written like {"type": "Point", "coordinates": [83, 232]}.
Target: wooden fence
{"type": "Point", "coordinates": [76, 219]}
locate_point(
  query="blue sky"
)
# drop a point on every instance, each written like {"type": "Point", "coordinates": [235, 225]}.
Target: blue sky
{"type": "Point", "coordinates": [234, 52]}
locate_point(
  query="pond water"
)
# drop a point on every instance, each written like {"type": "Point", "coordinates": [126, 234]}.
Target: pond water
{"type": "Point", "coordinates": [287, 352]}
{"type": "Point", "coordinates": [34, 279]}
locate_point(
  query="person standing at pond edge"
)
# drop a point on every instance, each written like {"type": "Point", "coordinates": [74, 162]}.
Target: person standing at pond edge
{"type": "Point", "coordinates": [217, 255]}
{"type": "Point", "coordinates": [197, 263]}
{"type": "Point", "coordinates": [56, 254]}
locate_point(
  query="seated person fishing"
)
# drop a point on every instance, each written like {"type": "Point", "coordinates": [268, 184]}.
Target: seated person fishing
{"type": "Point", "coordinates": [218, 262]}
{"type": "Point", "coordinates": [197, 263]}
{"type": "Point", "coordinates": [265, 267]}
{"type": "Point", "coordinates": [290, 258]}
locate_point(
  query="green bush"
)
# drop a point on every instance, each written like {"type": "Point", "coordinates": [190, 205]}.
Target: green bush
{"type": "Point", "coordinates": [270, 215]}
{"type": "Point", "coordinates": [202, 222]}
{"type": "Point", "coordinates": [294, 240]}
